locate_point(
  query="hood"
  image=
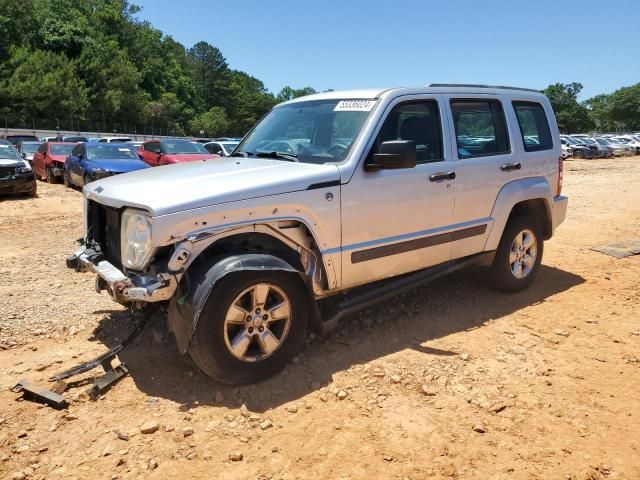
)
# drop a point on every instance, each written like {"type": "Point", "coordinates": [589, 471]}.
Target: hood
{"type": "Point", "coordinates": [183, 186]}
{"type": "Point", "coordinates": [56, 158]}
{"type": "Point", "coordinates": [187, 157]}
{"type": "Point", "coordinates": [117, 166]}
{"type": "Point", "coordinates": [13, 163]}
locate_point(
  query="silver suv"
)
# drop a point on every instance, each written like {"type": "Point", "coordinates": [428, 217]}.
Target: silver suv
{"type": "Point", "coordinates": [325, 194]}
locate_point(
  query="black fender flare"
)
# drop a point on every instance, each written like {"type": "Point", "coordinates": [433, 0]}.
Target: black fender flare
{"type": "Point", "coordinates": [198, 281]}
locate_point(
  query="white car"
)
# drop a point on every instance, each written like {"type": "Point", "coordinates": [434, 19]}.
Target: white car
{"type": "Point", "coordinates": [327, 193]}
{"type": "Point", "coordinates": [631, 141]}
{"type": "Point", "coordinates": [114, 140]}
{"type": "Point", "coordinates": [620, 148]}
{"type": "Point", "coordinates": [567, 151]}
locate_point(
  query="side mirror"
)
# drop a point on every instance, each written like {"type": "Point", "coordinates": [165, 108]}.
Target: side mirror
{"type": "Point", "coordinates": [394, 154]}
{"type": "Point", "coordinates": [24, 155]}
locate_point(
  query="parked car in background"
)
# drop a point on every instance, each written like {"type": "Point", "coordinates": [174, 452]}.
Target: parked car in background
{"type": "Point", "coordinates": [227, 139]}
{"type": "Point", "coordinates": [603, 149]}
{"type": "Point", "coordinates": [178, 150]}
{"type": "Point", "coordinates": [580, 149]}
{"type": "Point", "coordinates": [16, 175]}
{"type": "Point", "coordinates": [48, 139]}
{"type": "Point", "coordinates": [136, 144]}
{"type": "Point", "coordinates": [16, 139]}
{"type": "Point", "coordinates": [201, 140]}
{"type": "Point", "coordinates": [48, 161]}
{"type": "Point", "coordinates": [28, 149]}
{"type": "Point", "coordinates": [222, 148]}
{"type": "Point", "coordinates": [114, 140]}
{"type": "Point", "coordinates": [630, 141]}
{"type": "Point", "coordinates": [567, 151]}
{"type": "Point", "coordinates": [92, 161]}
{"type": "Point", "coordinates": [618, 149]}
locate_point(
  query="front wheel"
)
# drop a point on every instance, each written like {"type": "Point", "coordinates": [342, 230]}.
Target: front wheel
{"type": "Point", "coordinates": [51, 178]}
{"type": "Point", "coordinates": [519, 255]}
{"type": "Point", "coordinates": [251, 325]}
{"type": "Point", "coordinates": [65, 179]}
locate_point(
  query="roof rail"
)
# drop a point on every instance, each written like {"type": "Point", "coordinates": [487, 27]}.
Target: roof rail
{"type": "Point", "coordinates": [469, 85]}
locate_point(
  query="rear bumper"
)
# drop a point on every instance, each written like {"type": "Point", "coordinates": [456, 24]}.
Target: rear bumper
{"type": "Point", "coordinates": [20, 183]}
{"type": "Point", "coordinates": [122, 288]}
{"type": "Point", "coordinates": [559, 206]}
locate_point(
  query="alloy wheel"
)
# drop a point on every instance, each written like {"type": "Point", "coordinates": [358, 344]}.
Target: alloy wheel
{"type": "Point", "coordinates": [523, 254]}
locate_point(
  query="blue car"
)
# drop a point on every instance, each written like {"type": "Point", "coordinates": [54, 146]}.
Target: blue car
{"type": "Point", "coordinates": [90, 161]}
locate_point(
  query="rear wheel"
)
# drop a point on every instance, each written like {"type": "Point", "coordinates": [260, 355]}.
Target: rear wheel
{"type": "Point", "coordinates": [519, 255]}
{"type": "Point", "coordinates": [577, 153]}
{"type": "Point", "coordinates": [65, 179]}
{"type": "Point", "coordinates": [250, 327]}
{"type": "Point", "coordinates": [51, 178]}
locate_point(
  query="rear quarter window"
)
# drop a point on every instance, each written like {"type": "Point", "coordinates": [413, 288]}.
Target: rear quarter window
{"type": "Point", "coordinates": [534, 126]}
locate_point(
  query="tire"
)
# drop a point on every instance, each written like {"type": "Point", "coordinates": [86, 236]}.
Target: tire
{"type": "Point", "coordinates": [65, 179]}
{"type": "Point", "coordinates": [577, 154]}
{"type": "Point", "coordinates": [50, 176]}
{"type": "Point", "coordinates": [503, 276]}
{"type": "Point", "coordinates": [34, 190]}
{"type": "Point", "coordinates": [86, 179]}
{"type": "Point", "coordinates": [210, 346]}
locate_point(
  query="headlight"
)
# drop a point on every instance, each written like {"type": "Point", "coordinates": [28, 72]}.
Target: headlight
{"type": "Point", "coordinates": [100, 173]}
{"type": "Point", "coordinates": [135, 239]}
{"type": "Point", "coordinates": [24, 169]}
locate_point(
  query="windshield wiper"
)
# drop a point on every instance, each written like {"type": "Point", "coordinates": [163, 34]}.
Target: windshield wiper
{"type": "Point", "coordinates": [292, 157]}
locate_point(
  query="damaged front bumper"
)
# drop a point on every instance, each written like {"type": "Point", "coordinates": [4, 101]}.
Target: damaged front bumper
{"type": "Point", "coordinates": [122, 288]}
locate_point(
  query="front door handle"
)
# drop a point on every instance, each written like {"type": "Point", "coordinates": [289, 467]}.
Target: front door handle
{"type": "Point", "coordinates": [439, 176]}
{"type": "Point", "coordinates": [507, 167]}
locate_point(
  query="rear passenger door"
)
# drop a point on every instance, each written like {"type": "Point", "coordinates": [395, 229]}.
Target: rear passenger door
{"type": "Point", "coordinates": [486, 157]}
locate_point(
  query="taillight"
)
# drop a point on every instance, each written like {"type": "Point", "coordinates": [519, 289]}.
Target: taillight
{"type": "Point", "coordinates": [560, 175]}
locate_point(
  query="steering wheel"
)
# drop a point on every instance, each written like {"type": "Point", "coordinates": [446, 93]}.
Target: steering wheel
{"type": "Point", "coordinates": [337, 149]}
{"type": "Point", "coordinates": [279, 146]}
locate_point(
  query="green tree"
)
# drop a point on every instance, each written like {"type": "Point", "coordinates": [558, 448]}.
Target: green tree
{"type": "Point", "coordinates": [43, 86]}
{"type": "Point", "coordinates": [210, 73]}
{"type": "Point", "coordinates": [250, 100]}
{"type": "Point", "coordinates": [625, 107]}
{"type": "Point", "coordinates": [214, 123]}
{"type": "Point", "coordinates": [572, 117]}
{"type": "Point", "coordinates": [288, 93]}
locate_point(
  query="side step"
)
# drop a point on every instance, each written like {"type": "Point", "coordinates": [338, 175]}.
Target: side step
{"type": "Point", "coordinates": [401, 285]}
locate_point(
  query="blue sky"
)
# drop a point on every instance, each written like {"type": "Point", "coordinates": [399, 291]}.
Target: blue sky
{"type": "Point", "coordinates": [371, 43]}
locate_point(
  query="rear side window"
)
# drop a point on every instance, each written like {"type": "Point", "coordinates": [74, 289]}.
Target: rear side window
{"type": "Point", "coordinates": [481, 129]}
{"type": "Point", "coordinates": [534, 127]}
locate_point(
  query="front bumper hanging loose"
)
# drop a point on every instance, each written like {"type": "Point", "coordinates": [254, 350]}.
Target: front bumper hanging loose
{"type": "Point", "coordinates": [122, 288]}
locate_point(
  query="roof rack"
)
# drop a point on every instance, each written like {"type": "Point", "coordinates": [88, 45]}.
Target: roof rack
{"type": "Point", "coordinates": [470, 85]}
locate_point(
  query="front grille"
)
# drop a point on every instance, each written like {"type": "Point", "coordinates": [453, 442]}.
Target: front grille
{"type": "Point", "coordinates": [7, 171]}
{"type": "Point", "coordinates": [104, 229]}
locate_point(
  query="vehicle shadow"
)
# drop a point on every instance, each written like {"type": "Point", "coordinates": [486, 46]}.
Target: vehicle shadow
{"type": "Point", "coordinates": [457, 303]}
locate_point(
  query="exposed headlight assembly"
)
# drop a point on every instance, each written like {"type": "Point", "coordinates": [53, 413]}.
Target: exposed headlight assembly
{"type": "Point", "coordinates": [24, 169]}
{"type": "Point", "coordinates": [135, 239]}
{"type": "Point", "coordinates": [100, 173]}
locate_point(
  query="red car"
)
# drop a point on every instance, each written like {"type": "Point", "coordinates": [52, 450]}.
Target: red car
{"type": "Point", "coordinates": [164, 152]}
{"type": "Point", "coordinates": [48, 161]}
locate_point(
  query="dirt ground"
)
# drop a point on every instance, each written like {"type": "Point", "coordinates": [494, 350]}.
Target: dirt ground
{"type": "Point", "coordinates": [452, 380]}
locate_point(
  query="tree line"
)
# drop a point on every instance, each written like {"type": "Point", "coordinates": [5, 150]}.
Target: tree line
{"type": "Point", "coordinates": [93, 65]}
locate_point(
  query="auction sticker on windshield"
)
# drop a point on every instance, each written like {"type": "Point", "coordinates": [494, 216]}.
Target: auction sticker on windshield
{"type": "Point", "coordinates": [354, 106]}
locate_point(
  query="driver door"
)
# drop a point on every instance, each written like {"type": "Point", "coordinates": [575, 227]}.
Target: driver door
{"type": "Point", "coordinates": [400, 220]}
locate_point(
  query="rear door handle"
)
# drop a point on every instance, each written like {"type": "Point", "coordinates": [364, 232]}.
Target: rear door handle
{"type": "Point", "coordinates": [439, 176]}
{"type": "Point", "coordinates": [507, 167]}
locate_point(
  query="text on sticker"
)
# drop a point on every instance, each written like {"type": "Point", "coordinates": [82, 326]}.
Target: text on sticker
{"type": "Point", "coordinates": [354, 106]}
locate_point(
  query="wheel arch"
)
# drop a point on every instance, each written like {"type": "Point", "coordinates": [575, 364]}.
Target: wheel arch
{"type": "Point", "coordinates": [530, 196]}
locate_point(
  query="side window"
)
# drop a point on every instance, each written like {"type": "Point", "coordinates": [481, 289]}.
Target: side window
{"type": "Point", "coordinates": [148, 147]}
{"type": "Point", "coordinates": [418, 121]}
{"type": "Point", "coordinates": [77, 151]}
{"type": "Point", "coordinates": [534, 127]}
{"type": "Point", "coordinates": [480, 126]}
{"type": "Point", "coordinates": [217, 149]}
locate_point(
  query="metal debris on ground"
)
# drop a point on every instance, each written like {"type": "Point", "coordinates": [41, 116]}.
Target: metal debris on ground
{"type": "Point", "coordinates": [32, 391]}
{"type": "Point", "coordinates": [620, 249]}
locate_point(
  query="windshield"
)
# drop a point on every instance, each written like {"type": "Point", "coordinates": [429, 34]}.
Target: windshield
{"type": "Point", "coordinates": [61, 149]}
{"type": "Point", "coordinates": [111, 152]}
{"type": "Point", "coordinates": [182, 146]}
{"type": "Point", "coordinates": [589, 141]}
{"type": "Point", "coordinates": [7, 151]}
{"type": "Point", "coordinates": [602, 141]}
{"type": "Point", "coordinates": [316, 131]}
{"type": "Point", "coordinates": [30, 148]}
